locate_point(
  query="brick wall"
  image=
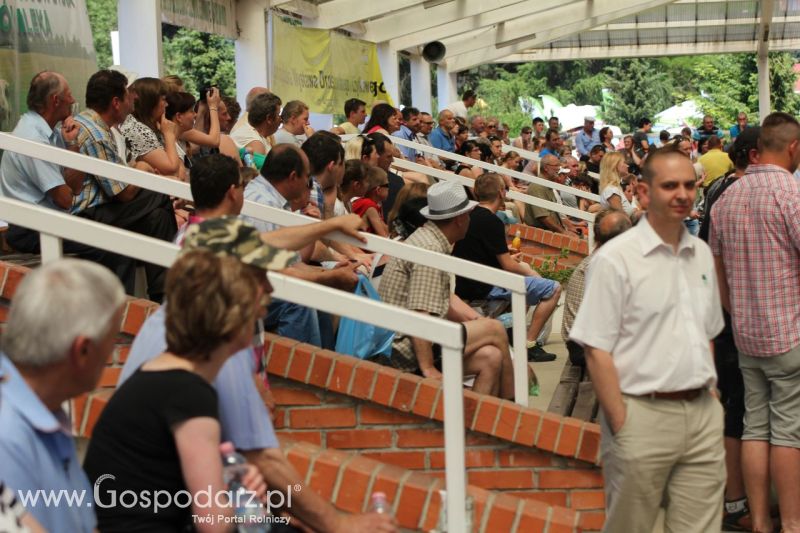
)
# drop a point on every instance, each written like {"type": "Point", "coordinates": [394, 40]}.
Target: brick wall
{"type": "Point", "coordinates": [538, 244]}
{"type": "Point", "coordinates": [348, 423]}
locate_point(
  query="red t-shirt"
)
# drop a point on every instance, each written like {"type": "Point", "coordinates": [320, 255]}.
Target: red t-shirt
{"type": "Point", "coordinates": [361, 205]}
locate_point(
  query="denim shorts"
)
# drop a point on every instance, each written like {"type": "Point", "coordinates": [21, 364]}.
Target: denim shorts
{"type": "Point", "coordinates": [538, 289]}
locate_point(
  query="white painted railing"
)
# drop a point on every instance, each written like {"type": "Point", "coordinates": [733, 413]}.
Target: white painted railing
{"type": "Point", "coordinates": [513, 195]}
{"type": "Point", "coordinates": [468, 269]}
{"type": "Point", "coordinates": [55, 226]}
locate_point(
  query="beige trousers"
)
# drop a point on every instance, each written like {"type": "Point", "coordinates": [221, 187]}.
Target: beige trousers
{"type": "Point", "coordinates": [668, 453]}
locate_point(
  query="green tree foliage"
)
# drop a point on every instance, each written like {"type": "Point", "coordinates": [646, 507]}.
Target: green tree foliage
{"type": "Point", "coordinates": [200, 59]}
{"type": "Point", "coordinates": [103, 20]}
{"type": "Point", "coordinates": [503, 94]}
{"type": "Point", "coordinates": [638, 89]}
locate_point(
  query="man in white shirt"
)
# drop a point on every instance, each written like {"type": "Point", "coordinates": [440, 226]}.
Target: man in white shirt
{"type": "Point", "coordinates": [650, 310]}
{"type": "Point", "coordinates": [356, 112]}
{"type": "Point", "coordinates": [263, 119]}
{"type": "Point", "coordinates": [460, 108]}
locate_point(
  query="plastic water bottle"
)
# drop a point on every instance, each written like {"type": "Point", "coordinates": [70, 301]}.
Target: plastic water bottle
{"type": "Point", "coordinates": [249, 160]}
{"type": "Point", "coordinates": [379, 504]}
{"type": "Point", "coordinates": [249, 518]}
{"type": "Point", "coordinates": [517, 242]}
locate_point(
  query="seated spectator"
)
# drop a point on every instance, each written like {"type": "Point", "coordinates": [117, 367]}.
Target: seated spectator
{"type": "Point", "coordinates": [608, 223]}
{"type": "Point", "coordinates": [409, 127]}
{"type": "Point", "coordinates": [261, 121]}
{"type": "Point", "coordinates": [541, 217]}
{"type": "Point", "coordinates": [663, 138]}
{"type": "Point", "coordinates": [355, 172]}
{"type": "Point", "coordinates": [326, 159]}
{"type": "Point", "coordinates": [368, 207]}
{"type": "Point", "coordinates": [405, 218]}
{"type": "Point", "coordinates": [611, 194]}
{"type": "Point", "coordinates": [47, 184]}
{"type": "Point", "coordinates": [706, 130]}
{"type": "Point", "coordinates": [211, 119]}
{"type": "Point", "coordinates": [214, 304]}
{"type": "Point", "coordinates": [382, 120]}
{"type": "Point", "coordinates": [739, 127]}
{"type": "Point", "coordinates": [174, 83]}
{"type": "Point", "coordinates": [607, 139]}
{"type": "Point", "coordinates": [584, 183]}
{"type": "Point", "coordinates": [295, 128]}
{"type": "Point", "coordinates": [426, 125]}
{"type": "Point", "coordinates": [386, 154]}
{"type": "Point", "coordinates": [356, 112]}
{"type": "Point", "coordinates": [632, 158]}
{"type": "Point", "coordinates": [441, 137]}
{"type": "Point", "coordinates": [243, 416]}
{"type": "Point", "coordinates": [716, 163]}
{"type": "Point", "coordinates": [460, 135]}
{"type": "Point", "coordinates": [180, 110]}
{"type": "Point", "coordinates": [496, 148]}
{"type": "Point", "coordinates": [427, 290]}
{"type": "Point", "coordinates": [151, 137]}
{"type": "Point", "coordinates": [361, 148]}
{"type": "Point", "coordinates": [472, 150]}
{"type": "Point", "coordinates": [502, 132]}
{"type": "Point", "coordinates": [477, 127]}
{"type": "Point", "coordinates": [47, 366]}
{"type": "Point", "coordinates": [552, 144]}
{"type": "Point", "coordinates": [233, 111]}
{"type": "Point", "coordinates": [485, 243]}
{"type": "Point", "coordinates": [538, 128]}
{"type": "Point", "coordinates": [596, 154]}
{"type": "Point", "coordinates": [111, 202]}
{"type": "Point", "coordinates": [524, 141]}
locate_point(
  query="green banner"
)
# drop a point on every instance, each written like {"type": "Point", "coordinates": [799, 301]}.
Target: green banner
{"type": "Point", "coordinates": [38, 35]}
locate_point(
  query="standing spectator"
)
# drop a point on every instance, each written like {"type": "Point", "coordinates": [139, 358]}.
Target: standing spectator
{"type": "Point", "coordinates": [356, 112]}
{"type": "Point", "coordinates": [596, 155]}
{"type": "Point", "coordinates": [607, 224]}
{"type": "Point", "coordinates": [214, 303]}
{"type": "Point", "coordinates": [706, 130]}
{"type": "Point", "coordinates": [149, 134]}
{"type": "Point", "coordinates": [739, 127]}
{"type": "Point", "coordinates": [587, 138]}
{"type": "Point", "coordinates": [442, 137]}
{"type": "Point", "coordinates": [47, 366]}
{"type": "Point", "coordinates": [485, 243]}
{"type": "Point", "coordinates": [612, 196]}
{"type": "Point", "coordinates": [631, 156]}
{"type": "Point", "coordinates": [295, 128]}
{"type": "Point", "coordinates": [663, 138]}
{"type": "Point", "coordinates": [650, 309]}
{"type": "Point", "coordinates": [726, 356]}
{"type": "Point", "coordinates": [641, 145]}
{"type": "Point", "coordinates": [460, 108]}
{"type": "Point", "coordinates": [716, 163]}
{"type": "Point", "coordinates": [755, 237]}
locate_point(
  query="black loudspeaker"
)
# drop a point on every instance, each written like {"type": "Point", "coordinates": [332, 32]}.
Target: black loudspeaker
{"type": "Point", "coordinates": [434, 51]}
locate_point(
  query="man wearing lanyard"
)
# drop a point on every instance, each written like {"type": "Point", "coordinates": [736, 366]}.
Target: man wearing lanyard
{"type": "Point", "coordinates": [650, 310]}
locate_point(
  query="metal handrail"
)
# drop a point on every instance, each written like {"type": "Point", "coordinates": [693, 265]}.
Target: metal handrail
{"type": "Point", "coordinates": [55, 226]}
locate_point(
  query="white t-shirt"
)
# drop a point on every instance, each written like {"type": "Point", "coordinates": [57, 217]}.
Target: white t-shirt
{"type": "Point", "coordinates": [458, 109]}
{"type": "Point", "coordinates": [243, 134]}
{"type": "Point", "coordinates": [284, 137]}
{"type": "Point", "coordinates": [606, 195]}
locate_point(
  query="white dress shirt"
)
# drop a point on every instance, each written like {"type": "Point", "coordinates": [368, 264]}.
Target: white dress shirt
{"type": "Point", "coordinates": [654, 310]}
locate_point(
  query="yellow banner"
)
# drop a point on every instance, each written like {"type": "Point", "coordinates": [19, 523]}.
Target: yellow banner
{"type": "Point", "coordinates": [324, 68]}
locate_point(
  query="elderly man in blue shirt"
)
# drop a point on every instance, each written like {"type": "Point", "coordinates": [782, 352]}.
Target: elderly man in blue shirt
{"type": "Point", "coordinates": [441, 137]}
{"type": "Point", "coordinates": [47, 366]}
{"type": "Point", "coordinates": [587, 137]}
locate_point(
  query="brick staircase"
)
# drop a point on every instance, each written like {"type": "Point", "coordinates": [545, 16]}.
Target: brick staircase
{"type": "Point", "coordinates": [351, 427]}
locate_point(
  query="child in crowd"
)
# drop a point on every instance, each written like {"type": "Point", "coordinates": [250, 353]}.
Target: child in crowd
{"type": "Point", "coordinates": [368, 207]}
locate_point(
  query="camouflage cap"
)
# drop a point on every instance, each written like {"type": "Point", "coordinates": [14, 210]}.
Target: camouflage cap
{"type": "Point", "coordinates": [231, 236]}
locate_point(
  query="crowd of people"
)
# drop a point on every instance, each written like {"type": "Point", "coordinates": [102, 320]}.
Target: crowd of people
{"type": "Point", "coordinates": [195, 376]}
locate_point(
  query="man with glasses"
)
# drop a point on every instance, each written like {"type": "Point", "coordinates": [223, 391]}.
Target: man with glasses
{"type": "Point", "coordinates": [541, 217]}
{"type": "Point", "coordinates": [426, 124]}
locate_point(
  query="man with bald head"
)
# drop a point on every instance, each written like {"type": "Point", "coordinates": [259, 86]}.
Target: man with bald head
{"type": "Point", "coordinates": [541, 217]}
{"type": "Point", "coordinates": [441, 137]}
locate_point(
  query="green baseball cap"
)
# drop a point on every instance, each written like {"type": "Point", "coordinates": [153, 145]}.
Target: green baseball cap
{"type": "Point", "coordinates": [232, 236]}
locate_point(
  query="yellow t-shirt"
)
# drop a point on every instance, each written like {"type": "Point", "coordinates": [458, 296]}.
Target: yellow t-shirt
{"type": "Point", "coordinates": [349, 128]}
{"type": "Point", "coordinates": [716, 163]}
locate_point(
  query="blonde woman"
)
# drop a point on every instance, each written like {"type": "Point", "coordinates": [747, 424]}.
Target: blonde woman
{"type": "Point", "coordinates": [612, 168]}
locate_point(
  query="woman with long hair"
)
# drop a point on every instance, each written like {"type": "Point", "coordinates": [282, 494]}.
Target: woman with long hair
{"type": "Point", "coordinates": [472, 150]}
{"type": "Point", "coordinates": [405, 218]}
{"type": "Point", "coordinates": [460, 134]}
{"type": "Point", "coordinates": [160, 432]}
{"type": "Point", "coordinates": [607, 139]}
{"type": "Point", "coordinates": [383, 120]}
{"type": "Point", "coordinates": [361, 148]}
{"type": "Point", "coordinates": [353, 186]}
{"type": "Point", "coordinates": [612, 167]}
{"type": "Point", "coordinates": [149, 135]}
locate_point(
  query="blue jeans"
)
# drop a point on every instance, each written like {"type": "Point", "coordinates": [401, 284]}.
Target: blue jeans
{"type": "Point", "coordinates": [538, 289]}
{"type": "Point", "coordinates": [293, 321]}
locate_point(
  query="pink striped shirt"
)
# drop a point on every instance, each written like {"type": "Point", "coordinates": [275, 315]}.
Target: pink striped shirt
{"type": "Point", "coordinates": [756, 229]}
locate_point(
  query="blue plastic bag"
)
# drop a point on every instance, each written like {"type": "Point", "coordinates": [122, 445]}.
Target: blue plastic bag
{"type": "Point", "coordinates": [360, 339]}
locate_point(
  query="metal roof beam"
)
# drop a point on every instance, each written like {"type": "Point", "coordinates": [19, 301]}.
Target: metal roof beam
{"type": "Point", "coordinates": [531, 31]}
{"type": "Point", "coordinates": [645, 50]}
{"type": "Point", "coordinates": [339, 13]}
{"type": "Point", "coordinates": [427, 22]}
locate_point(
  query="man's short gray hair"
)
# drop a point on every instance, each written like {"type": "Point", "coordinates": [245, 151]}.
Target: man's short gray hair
{"type": "Point", "coordinates": [43, 85]}
{"type": "Point", "coordinates": [55, 304]}
{"type": "Point", "coordinates": [264, 106]}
